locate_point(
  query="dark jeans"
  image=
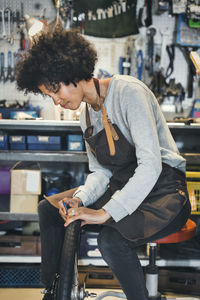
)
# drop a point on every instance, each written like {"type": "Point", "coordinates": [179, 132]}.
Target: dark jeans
{"type": "Point", "coordinates": [119, 253]}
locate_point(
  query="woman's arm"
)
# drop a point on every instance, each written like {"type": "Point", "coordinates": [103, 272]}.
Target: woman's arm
{"type": "Point", "coordinates": [139, 109]}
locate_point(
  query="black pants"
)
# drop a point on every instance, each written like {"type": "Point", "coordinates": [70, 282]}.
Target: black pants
{"type": "Point", "coordinates": [119, 253]}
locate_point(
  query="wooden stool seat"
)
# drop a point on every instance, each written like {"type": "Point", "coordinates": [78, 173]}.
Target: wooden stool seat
{"type": "Point", "coordinates": [184, 234]}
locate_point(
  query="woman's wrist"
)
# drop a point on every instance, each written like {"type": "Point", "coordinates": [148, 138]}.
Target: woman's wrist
{"type": "Point", "coordinates": [78, 200]}
{"type": "Point", "coordinates": [105, 214]}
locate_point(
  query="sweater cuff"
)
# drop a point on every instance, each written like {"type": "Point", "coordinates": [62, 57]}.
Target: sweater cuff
{"type": "Point", "coordinates": [115, 210]}
{"type": "Point", "coordinates": [81, 195]}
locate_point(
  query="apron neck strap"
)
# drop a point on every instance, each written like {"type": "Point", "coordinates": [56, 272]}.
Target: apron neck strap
{"type": "Point", "coordinates": [109, 129]}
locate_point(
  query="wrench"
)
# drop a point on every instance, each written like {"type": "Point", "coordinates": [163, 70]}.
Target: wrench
{"type": "Point", "coordinates": [9, 68]}
{"type": "Point", "coordinates": [165, 39]}
{"type": "Point", "coordinates": [2, 75]}
{"type": "Point", "coordinates": [3, 23]}
{"type": "Point", "coordinates": [151, 32]}
{"type": "Point", "coordinates": [10, 36]}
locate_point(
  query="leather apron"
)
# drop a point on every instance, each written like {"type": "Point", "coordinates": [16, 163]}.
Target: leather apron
{"type": "Point", "coordinates": [163, 204]}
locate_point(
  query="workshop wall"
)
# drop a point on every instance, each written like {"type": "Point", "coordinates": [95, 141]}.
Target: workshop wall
{"type": "Point", "coordinates": [111, 52]}
{"type": "Point", "coordinates": [38, 9]}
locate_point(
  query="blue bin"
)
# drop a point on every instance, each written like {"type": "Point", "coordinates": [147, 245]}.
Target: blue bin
{"type": "Point", "coordinates": [17, 142]}
{"type": "Point", "coordinates": [38, 142]}
{"type": "Point", "coordinates": [3, 142]}
{"type": "Point", "coordinates": [75, 142]}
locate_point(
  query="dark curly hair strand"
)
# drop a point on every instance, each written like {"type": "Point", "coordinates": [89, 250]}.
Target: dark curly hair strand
{"type": "Point", "coordinates": [56, 56]}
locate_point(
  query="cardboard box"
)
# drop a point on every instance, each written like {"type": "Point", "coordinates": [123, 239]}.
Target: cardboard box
{"type": "Point", "coordinates": [23, 203]}
{"type": "Point", "coordinates": [25, 182]}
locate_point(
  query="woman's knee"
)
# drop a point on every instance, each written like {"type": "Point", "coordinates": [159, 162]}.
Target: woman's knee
{"type": "Point", "coordinates": [45, 208]}
{"type": "Point", "coordinates": [42, 206]}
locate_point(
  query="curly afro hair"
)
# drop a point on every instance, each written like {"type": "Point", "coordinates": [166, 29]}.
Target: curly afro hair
{"type": "Point", "coordinates": [56, 56]}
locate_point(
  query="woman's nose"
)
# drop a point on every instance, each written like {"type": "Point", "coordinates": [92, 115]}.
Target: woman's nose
{"type": "Point", "coordinates": [56, 100]}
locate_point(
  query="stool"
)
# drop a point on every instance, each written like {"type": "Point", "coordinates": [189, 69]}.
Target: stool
{"type": "Point", "coordinates": [184, 234]}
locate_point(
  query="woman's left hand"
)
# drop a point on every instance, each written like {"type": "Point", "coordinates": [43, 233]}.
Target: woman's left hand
{"type": "Point", "coordinates": [87, 215]}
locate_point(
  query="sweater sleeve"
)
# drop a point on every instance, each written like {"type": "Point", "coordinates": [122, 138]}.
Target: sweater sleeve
{"type": "Point", "coordinates": [139, 113]}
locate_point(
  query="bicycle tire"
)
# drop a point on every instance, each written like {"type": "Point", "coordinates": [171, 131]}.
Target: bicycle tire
{"type": "Point", "coordinates": [69, 263]}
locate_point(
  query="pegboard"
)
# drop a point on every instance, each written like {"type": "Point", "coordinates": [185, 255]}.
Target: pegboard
{"type": "Point", "coordinates": [34, 8]}
{"type": "Point", "coordinates": [109, 50]}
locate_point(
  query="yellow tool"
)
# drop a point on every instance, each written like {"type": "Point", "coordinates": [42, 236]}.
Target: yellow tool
{"type": "Point", "coordinates": [196, 60]}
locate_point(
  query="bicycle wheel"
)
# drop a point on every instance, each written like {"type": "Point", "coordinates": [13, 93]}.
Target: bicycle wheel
{"type": "Point", "coordinates": [67, 285]}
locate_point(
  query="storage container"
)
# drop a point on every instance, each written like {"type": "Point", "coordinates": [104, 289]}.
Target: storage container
{"type": "Point", "coordinates": [17, 142]}
{"type": "Point", "coordinates": [193, 185]}
{"type": "Point", "coordinates": [75, 142]}
{"type": "Point", "coordinates": [25, 187]}
{"type": "Point", "coordinates": [40, 142]}
{"type": "Point", "coordinates": [22, 275]}
{"type": "Point", "coordinates": [26, 181]}
{"type": "Point", "coordinates": [3, 142]}
{"type": "Point", "coordinates": [24, 203]}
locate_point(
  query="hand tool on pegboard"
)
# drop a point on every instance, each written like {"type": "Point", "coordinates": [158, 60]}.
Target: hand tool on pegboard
{"type": "Point", "coordinates": [151, 32]}
{"type": "Point", "coordinates": [10, 37]}
{"type": "Point", "coordinates": [9, 75]}
{"type": "Point", "coordinates": [191, 68]}
{"type": "Point", "coordinates": [139, 46]}
{"type": "Point", "coordinates": [145, 14]}
{"type": "Point", "coordinates": [2, 74]}
{"type": "Point", "coordinates": [196, 61]}
{"type": "Point", "coordinates": [165, 39]}
{"type": "Point", "coordinates": [3, 25]}
{"type": "Point", "coordinates": [171, 53]}
{"type": "Point", "coordinates": [125, 62]}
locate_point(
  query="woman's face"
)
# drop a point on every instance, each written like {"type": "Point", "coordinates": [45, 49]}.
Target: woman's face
{"type": "Point", "coordinates": [68, 96]}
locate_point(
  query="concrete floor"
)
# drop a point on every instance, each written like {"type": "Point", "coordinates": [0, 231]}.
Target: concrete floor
{"type": "Point", "coordinates": [34, 294]}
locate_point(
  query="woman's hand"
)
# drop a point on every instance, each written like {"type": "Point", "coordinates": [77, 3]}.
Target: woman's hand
{"type": "Point", "coordinates": [70, 202]}
{"type": "Point", "coordinates": [87, 215]}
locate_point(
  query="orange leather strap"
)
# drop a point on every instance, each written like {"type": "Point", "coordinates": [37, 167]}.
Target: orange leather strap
{"type": "Point", "coordinates": [111, 134]}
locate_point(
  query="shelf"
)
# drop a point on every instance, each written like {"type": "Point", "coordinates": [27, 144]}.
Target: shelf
{"type": "Point", "coordinates": [173, 125]}
{"type": "Point", "coordinates": [192, 158]}
{"type": "Point", "coordinates": [48, 156]}
{"type": "Point", "coordinates": [18, 216]}
{"type": "Point", "coordinates": [100, 262]}
{"type": "Point", "coordinates": [50, 125]}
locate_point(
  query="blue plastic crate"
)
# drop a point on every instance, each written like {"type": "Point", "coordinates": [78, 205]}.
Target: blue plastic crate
{"type": "Point", "coordinates": [17, 142]}
{"type": "Point", "coordinates": [3, 142]}
{"type": "Point", "coordinates": [20, 277]}
{"type": "Point", "coordinates": [75, 142]}
{"type": "Point", "coordinates": [39, 142]}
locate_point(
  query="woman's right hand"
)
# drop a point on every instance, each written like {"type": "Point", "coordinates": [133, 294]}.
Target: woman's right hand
{"type": "Point", "coordinates": [70, 202]}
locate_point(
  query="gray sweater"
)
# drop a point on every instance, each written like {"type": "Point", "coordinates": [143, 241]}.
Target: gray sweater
{"type": "Point", "coordinates": [134, 109]}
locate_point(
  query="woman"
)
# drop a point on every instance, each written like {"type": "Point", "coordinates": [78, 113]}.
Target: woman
{"type": "Point", "coordinates": [136, 187]}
